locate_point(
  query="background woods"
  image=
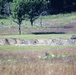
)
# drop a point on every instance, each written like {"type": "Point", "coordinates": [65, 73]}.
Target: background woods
{"type": "Point", "coordinates": [53, 6]}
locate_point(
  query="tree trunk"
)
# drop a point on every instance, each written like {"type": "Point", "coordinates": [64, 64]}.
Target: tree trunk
{"type": "Point", "coordinates": [19, 28]}
{"type": "Point", "coordinates": [40, 20]}
{"type": "Point", "coordinates": [10, 17]}
{"type": "Point", "coordinates": [19, 23]}
{"type": "Point", "coordinates": [31, 22]}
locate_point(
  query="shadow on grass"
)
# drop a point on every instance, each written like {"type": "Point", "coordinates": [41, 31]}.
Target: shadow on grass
{"type": "Point", "coordinates": [48, 33]}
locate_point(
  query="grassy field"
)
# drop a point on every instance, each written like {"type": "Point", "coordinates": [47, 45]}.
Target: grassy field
{"type": "Point", "coordinates": [19, 48]}
{"type": "Point", "coordinates": [39, 36]}
{"type": "Point", "coordinates": [28, 63]}
{"type": "Point", "coordinates": [57, 19]}
{"type": "Point", "coordinates": [38, 68]}
{"type": "Point", "coordinates": [39, 60]}
{"type": "Point", "coordinates": [60, 23]}
{"type": "Point", "coordinates": [31, 60]}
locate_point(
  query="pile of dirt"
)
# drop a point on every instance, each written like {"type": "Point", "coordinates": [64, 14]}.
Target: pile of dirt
{"type": "Point", "coordinates": [24, 42]}
{"type": "Point", "coordinates": [8, 41]}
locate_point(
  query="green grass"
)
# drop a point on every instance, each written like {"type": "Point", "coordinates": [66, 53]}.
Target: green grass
{"type": "Point", "coordinates": [32, 36]}
{"type": "Point", "coordinates": [4, 20]}
{"type": "Point", "coordinates": [19, 48]}
{"type": "Point", "coordinates": [58, 19]}
{"type": "Point", "coordinates": [61, 18]}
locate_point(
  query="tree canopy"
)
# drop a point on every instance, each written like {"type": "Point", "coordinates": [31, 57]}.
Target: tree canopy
{"type": "Point", "coordinates": [54, 6]}
{"type": "Point", "coordinates": [27, 9]}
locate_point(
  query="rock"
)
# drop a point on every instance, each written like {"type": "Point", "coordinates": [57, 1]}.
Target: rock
{"type": "Point", "coordinates": [57, 41]}
{"type": "Point", "coordinates": [34, 42]}
{"type": "Point", "coordinates": [48, 41]}
{"type": "Point", "coordinates": [22, 41]}
{"type": "Point", "coordinates": [41, 41]}
{"type": "Point", "coordinates": [8, 41]}
{"type": "Point", "coordinates": [25, 42]}
{"type": "Point", "coordinates": [73, 37]}
{"type": "Point", "coordinates": [2, 41]}
{"type": "Point", "coordinates": [11, 41]}
{"type": "Point", "coordinates": [19, 41]}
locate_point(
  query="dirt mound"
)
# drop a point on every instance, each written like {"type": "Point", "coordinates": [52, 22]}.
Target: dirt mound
{"type": "Point", "coordinates": [24, 42]}
{"type": "Point", "coordinates": [8, 41]}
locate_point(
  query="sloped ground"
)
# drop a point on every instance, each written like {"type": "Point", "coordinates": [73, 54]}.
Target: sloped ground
{"type": "Point", "coordinates": [51, 29]}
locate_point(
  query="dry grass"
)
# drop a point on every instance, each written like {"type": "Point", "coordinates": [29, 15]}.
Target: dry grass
{"type": "Point", "coordinates": [20, 64]}
{"type": "Point", "coordinates": [38, 68]}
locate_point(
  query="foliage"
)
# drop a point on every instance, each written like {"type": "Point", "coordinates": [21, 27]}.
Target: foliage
{"type": "Point", "coordinates": [19, 13]}
{"type": "Point", "coordinates": [53, 6]}
{"type": "Point", "coordinates": [0, 6]}
{"type": "Point", "coordinates": [31, 9]}
{"type": "Point", "coordinates": [5, 8]}
{"type": "Point", "coordinates": [27, 9]}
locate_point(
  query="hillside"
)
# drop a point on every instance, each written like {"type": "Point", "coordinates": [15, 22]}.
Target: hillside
{"type": "Point", "coordinates": [51, 24]}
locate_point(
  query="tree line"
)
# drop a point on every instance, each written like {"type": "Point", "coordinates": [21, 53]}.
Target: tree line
{"type": "Point", "coordinates": [53, 6]}
{"type": "Point", "coordinates": [32, 9]}
{"type": "Point", "coordinates": [61, 6]}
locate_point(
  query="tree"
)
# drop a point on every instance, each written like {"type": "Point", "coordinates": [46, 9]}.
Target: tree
{"type": "Point", "coordinates": [29, 9]}
{"type": "Point", "coordinates": [0, 6]}
{"type": "Point", "coordinates": [34, 8]}
{"type": "Point", "coordinates": [5, 7]}
{"type": "Point", "coordinates": [19, 14]}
